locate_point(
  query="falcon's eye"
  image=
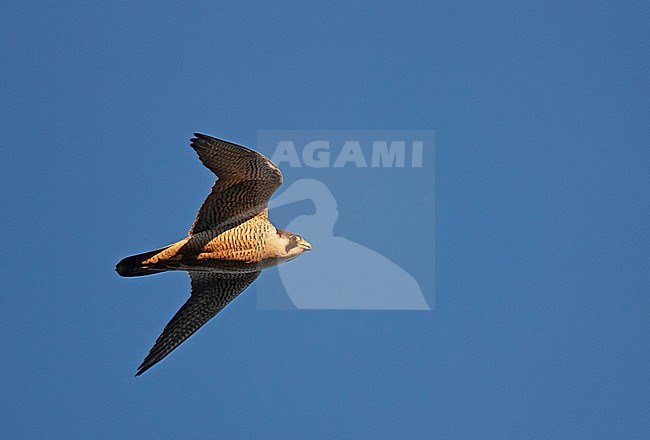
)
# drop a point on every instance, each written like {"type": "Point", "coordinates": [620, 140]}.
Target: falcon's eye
{"type": "Point", "coordinates": [294, 237]}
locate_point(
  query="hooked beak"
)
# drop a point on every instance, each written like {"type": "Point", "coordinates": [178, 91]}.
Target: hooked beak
{"type": "Point", "coordinates": [305, 245]}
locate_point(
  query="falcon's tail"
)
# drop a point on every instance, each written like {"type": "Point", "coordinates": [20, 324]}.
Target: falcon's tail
{"type": "Point", "coordinates": [132, 266]}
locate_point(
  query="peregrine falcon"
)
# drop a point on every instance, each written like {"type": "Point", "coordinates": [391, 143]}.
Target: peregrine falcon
{"type": "Point", "coordinates": [229, 244]}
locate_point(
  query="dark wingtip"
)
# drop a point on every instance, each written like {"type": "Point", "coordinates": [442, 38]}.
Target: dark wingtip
{"type": "Point", "coordinates": [143, 367]}
{"type": "Point", "coordinates": [200, 137]}
{"type": "Point", "coordinates": [199, 141]}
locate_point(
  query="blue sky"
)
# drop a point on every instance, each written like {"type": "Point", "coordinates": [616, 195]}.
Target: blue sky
{"type": "Point", "coordinates": [540, 110]}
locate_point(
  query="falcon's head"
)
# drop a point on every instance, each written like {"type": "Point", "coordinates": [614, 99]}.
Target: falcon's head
{"type": "Point", "coordinates": [291, 245]}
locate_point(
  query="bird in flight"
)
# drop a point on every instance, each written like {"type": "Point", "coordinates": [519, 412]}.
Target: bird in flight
{"type": "Point", "coordinates": [229, 244]}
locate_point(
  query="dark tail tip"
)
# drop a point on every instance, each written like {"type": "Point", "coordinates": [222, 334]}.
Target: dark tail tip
{"type": "Point", "coordinates": [132, 267]}
{"type": "Point", "coordinates": [128, 267]}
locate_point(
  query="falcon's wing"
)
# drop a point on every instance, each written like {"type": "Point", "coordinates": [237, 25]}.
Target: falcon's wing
{"type": "Point", "coordinates": [211, 292]}
{"type": "Point", "coordinates": [246, 181]}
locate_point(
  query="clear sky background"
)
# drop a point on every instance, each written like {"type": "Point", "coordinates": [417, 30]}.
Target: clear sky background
{"type": "Point", "coordinates": [540, 327]}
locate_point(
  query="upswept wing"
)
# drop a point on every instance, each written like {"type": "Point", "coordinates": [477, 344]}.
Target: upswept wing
{"type": "Point", "coordinates": [211, 292]}
{"type": "Point", "coordinates": [246, 181]}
